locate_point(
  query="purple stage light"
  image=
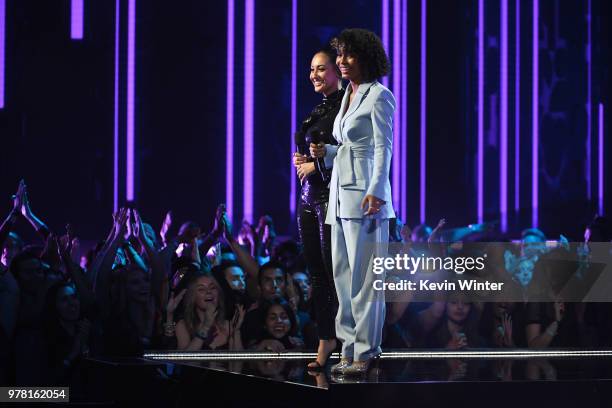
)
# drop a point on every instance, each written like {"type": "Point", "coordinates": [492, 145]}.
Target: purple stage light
{"type": "Point", "coordinates": [116, 124]}
{"type": "Point", "coordinates": [292, 194]}
{"type": "Point", "coordinates": [249, 56]}
{"type": "Point", "coordinates": [503, 171]}
{"type": "Point", "coordinates": [535, 118]}
{"type": "Point", "coordinates": [423, 116]}
{"type": "Point", "coordinates": [589, 106]}
{"type": "Point", "coordinates": [404, 107]}
{"type": "Point", "coordinates": [480, 163]}
{"type": "Point", "coordinates": [517, 109]}
{"type": "Point", "coordinates": [2, 45]}
{"type": "Point", "coordinates": [131, 67]}
{"type": "Point", "coordinates": [229, 113]}
{"type": "Point", "coordinates": [385, 33]}
{"type": "Point", "coordinates": [76, 19]}
{"type": "Point", "coordinates": [600, 161]}
{"type": "Point", "coordinates": [397, 91]}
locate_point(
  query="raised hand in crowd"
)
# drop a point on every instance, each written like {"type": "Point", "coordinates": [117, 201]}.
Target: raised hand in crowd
{"type": "Point", "coordinates": [66, 247]}
{"type": "Point", "coordinates": [266, 234]}
{"type": "Point", "coordinates": [101, 268]}
{"type": "Point", "coordinates": [173, 302]}
{"type": "Point", "coordinates": [435, 234]}
{"type": "Point", "coordinates": [27, 213]}
{"type": "Point", "coordinates": [246, 261]}
{"type": "Point", "coordinates": [165, 228]}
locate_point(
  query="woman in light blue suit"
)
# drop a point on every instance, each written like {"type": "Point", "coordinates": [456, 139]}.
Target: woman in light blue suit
{"type": "Point", "coordinates": [360, 196]}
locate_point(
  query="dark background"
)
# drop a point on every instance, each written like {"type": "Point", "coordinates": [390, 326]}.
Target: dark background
{"type": "Point", "coordinates": [57, 125]}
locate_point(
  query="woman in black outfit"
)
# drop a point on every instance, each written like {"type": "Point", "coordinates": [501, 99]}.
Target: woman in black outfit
{"type": "Point", "coordinates": [314, 178]}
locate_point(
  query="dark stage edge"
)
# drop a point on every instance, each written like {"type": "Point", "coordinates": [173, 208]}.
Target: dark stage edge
{"type": "Point", "coordinates": [473, 378]}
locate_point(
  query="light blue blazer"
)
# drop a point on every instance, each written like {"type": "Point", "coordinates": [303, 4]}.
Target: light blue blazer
{"type": "Point", "coordinates": [362, 159]}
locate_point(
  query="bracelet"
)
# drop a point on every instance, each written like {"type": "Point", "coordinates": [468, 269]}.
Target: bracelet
{"type": "Point", "coordinates": [202, 334]}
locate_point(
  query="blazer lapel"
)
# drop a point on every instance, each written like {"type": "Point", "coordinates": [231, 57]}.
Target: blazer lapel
{"type": "Point", "coordinates": [361, 91]}
{"type": "Point", "coordinates": [345, 100]}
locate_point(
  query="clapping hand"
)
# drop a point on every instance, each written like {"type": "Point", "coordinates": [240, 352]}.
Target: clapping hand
{"type": "Point", "coordinates": [238, 317]}
{"type": "Point", "coordinates": [18, 197]}
{"type": "Point", "coordinates": [173, 303]}
{"type": "Point", "coordinates": [163, 232]}
{"type": "Point", "coordinates": [218, 227]}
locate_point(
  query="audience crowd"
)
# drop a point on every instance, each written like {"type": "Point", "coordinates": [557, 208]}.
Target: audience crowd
{"type": "Point", "coordinates": [201, 289]}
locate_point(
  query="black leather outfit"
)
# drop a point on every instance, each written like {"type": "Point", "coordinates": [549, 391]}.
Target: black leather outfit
{"type": "Point", "coordinates": [314, 233]}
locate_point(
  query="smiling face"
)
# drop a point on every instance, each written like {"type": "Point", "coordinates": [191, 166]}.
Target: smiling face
{"type": "Point", "coordinates": [278, 323]}
{"type": "Point", "coordinates": [349, 66]}
{"type": "Point", "coordinates": [323, 74]}
{"type": "Point", "coordinates": [207, 293]}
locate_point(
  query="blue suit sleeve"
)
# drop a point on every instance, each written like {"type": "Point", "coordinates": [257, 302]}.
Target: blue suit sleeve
{"type": "Point", "coordinates": [330, 155]}
{"type": "Point", "coordinates": [382, 127]}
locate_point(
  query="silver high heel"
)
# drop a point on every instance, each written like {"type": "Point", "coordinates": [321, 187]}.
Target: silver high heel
{"type": "Point", "coordinates": [341, 367]}
{"type": "Point", "coordinates": [360, 368]}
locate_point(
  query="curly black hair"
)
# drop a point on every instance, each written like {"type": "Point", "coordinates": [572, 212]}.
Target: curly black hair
{"type": "Point", "coordinates": [367, 47]}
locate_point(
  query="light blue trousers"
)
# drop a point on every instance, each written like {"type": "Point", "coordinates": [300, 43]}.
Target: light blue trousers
{"type": "Point", "coordinates": [361, 309]}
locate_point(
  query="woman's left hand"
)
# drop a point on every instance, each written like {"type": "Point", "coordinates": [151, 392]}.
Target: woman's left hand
{"type": "Point", "coordinates": [371, 204]}
{"type": "Point", "coordinates": [304, 170]}
{"type": "Point", "coordinates": [238, 317]}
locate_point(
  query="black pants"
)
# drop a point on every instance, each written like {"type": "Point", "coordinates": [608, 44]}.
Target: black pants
{"type": "Point", "coordinates": [316, 240]}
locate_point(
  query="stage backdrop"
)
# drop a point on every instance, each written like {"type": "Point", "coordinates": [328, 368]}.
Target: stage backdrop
{"type": "Point", "coordinates": [181, 106]}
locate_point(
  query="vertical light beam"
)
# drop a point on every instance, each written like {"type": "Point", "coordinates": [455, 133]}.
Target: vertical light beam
{"type": "Point", "coordinates": [249, 59]}
{"type": "Point", "coordinates": [503, 75]}
{"type": "Point", "coordinates": [404, 107]}
{"type": "Point", "coordinates": [131, 68]}
{"type": "Point", "coordinates": [589, 105]}
{"type": "Point", "coordinates": [423, 116]}
{"type": "Point", "coordinates": [535, 116]}
{"type": "Point", "coordinates": [2, 46]}
{"type": "Point", "coordinates": [292, 194]}
{"type": "Point", "coordinates": [116, 122]}
{"type": "Point", "coordinates": [397, 91]}
{"type": "Point", "coordinates": [600, 160]}
{"type": "Point", "coordinates": [76, 19]}
{"type": "Point", "coordinates": [481, 73]}
{"type": "Point", "coordinates": [517, 109]}
{"type": "Point", "coordinates": [229, 112]}
{"type": "Point", "coordinates": [385, 34]}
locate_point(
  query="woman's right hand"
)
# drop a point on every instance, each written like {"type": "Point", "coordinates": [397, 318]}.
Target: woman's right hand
{"type": "Point", "coordinates": [299, 159]}
{"type": "Point", "coordinates": [210, 315]}
{"type": "Point", "coordinates": [317, 150]}
{"type": "Point", "coordinates": [173, 302]}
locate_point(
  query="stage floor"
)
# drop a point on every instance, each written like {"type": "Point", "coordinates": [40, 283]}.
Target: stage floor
{"type": "Point", "coordinates": [410, 366]}
{"type": "Point", "coordinates": [418, 377]}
